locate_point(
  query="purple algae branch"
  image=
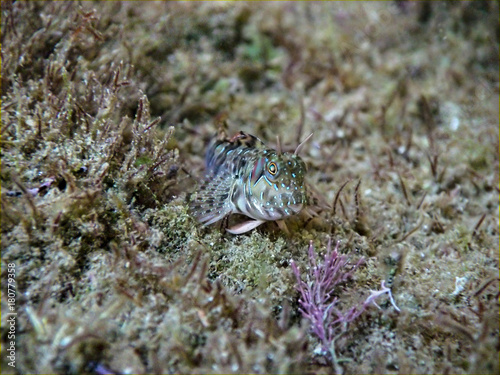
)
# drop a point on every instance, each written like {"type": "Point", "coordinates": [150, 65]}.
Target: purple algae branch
{"type": "Point", "coordinates": [317, 301]}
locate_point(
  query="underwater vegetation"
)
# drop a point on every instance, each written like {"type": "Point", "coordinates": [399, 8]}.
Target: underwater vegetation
{"type": "Point", "coordinates": [318, 302]}
{"type": "Point", "coordinates": [107, 111]}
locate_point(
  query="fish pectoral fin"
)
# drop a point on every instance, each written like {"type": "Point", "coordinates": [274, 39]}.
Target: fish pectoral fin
{"type": "Point", "coordinates": [316, 200]}
{"type": "Point", "coordinates": [245, 226]}
{"type": "Point", "coordinates": [212, 201]}
{"type": "Point", "coordinates": [282, 226]}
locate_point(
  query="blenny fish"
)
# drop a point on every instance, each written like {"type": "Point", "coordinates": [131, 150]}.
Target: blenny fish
{"type": "Point", "coordinates": [245, 177]}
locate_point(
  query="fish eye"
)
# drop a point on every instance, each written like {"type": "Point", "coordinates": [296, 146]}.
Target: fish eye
{"type": "Point", "coordinates": [272, 168]}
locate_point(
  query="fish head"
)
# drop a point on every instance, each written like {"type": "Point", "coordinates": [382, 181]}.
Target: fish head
{"type": "Point", "coordinates": [276, 185]}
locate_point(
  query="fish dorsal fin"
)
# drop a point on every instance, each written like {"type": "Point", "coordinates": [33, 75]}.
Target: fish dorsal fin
{"type": "Point", "coordinates": [247, 140]}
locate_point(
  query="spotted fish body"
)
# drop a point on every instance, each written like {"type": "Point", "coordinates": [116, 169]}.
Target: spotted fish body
{"type": "Point", "coordinates": [245, 177]}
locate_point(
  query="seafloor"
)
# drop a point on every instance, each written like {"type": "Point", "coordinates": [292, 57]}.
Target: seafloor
{"type": "Point", "coordinates": [107, 109]}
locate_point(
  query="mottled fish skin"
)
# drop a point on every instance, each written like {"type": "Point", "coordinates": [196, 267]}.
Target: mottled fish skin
{"type": "Point", "coordinates": [243, 176]}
